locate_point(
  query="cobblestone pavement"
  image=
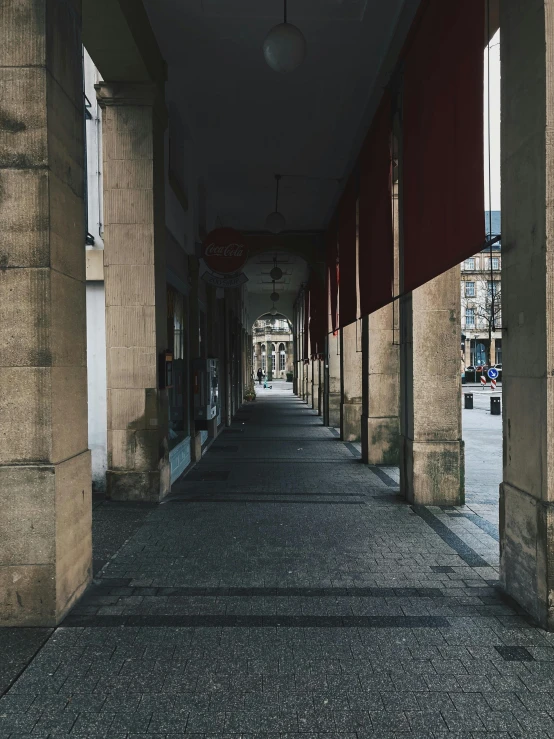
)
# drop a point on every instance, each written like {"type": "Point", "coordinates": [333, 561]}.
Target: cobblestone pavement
{"type": "Point", "coordinates": [285, 591]}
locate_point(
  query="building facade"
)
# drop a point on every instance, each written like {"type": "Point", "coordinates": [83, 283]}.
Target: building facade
{"type": "Point", "coordinates": [272, 349]}
{"type": "Point", "coordinates": [481, 302]}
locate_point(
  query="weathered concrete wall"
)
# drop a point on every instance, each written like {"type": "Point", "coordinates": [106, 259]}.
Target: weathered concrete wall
{"type": "Point", "coordinates": [135, 283]}
{"type": "Point", "coordinates": [381, 389]}
{"type": "Point", "coordinates": [45, 478]}
{"type": "Point", "coordinates": [527, 491]}
{"type": "Point", "coordinates": [351, 382]}
{"type": "Point", "coordinates": [432, 454]}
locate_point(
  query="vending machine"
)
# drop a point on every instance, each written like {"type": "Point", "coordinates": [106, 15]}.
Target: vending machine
{"type": "Point", "coordinates": [205, 388]}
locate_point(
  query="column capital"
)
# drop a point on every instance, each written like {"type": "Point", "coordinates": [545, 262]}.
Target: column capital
{"type": "Point", "coordinates": [131, 94]}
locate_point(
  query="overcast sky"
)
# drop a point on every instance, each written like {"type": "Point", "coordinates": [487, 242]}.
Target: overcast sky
{"type": "Point", "coordinates": [494, 110]}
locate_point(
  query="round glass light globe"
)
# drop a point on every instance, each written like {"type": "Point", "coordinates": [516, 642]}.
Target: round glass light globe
{"type": "Point", "coordinates": [274, 297]}
{"type": "Point", "coordinates": [275, 222]}
{"type": "Point", "coordinates": [276, 273]}
{"type": "Point", "coordinates": [284, 47]}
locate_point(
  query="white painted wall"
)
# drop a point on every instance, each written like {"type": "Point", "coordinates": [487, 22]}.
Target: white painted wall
{"type": "Point", "coordinates": [96, 367]}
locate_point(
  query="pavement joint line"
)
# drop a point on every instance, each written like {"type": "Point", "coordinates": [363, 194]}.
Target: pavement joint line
{"type": "Point", "coordinates": [256, 621]}
{"type": "Point", "coordinates": [272, 592]}
{"type": "Point", "coordinates": [274, 502]}
{"type": "Point", "coordinates": [297, 495]}
{"type": "Point", "coordinates": [463, 550]}
{"type": "Point", "coordinates": [382, 475]}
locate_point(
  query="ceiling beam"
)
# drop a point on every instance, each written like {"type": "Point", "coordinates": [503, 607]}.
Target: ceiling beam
{"type": "Point", "coordinates": [118, 36]}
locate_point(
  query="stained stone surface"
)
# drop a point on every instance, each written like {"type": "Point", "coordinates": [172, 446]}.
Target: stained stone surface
{"type": "Point", "coordinates": [297, 597]}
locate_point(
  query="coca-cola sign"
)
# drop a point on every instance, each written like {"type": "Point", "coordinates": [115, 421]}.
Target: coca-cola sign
{"type": "Point", "coordinates": [224, 251]}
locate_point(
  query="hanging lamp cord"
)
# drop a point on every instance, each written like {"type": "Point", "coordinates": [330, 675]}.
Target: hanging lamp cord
{"type": "Point", "coordinates": [285, 10]}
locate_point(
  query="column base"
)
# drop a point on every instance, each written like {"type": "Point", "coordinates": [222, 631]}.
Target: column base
{"type": "Point", "coordinates": [46, 540]}
{"type": "Point", "coordinates": [351, 429]}
{"type": "Point", "coordinates": [147, 487]}
{"type": "Point", "coordinates": [432, 473]}
{"type": "Point", "coordinates": [526, 552]}
{"type": "Point", "coordinates": [334, 410]}
{"type": "Point", "coordinates": [381, 440]}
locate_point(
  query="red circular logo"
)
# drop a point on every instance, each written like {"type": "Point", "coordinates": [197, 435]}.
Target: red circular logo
{"type": "Point", "coordinates": [224, 250]}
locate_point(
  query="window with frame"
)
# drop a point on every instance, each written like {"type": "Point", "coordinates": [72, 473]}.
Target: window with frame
{"type": "Point", "coordinates": [469, 263]}
{"type": "Point", "coordinates": [470, 317]}
{"type": "Point", "coordinates": [470, 289]}
{"type": "Point", "coordinates": [492, 287]}
{"type": "Point", "coordinates": [282, 358]}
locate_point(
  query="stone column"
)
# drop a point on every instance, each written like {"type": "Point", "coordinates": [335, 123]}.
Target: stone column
{"type": "Point", "coordinates": [432, 451]}
{"type": "Point", "coordinates": [381, 388]}
{"type": "Point", "coordinates": [315, 384]}
{"type": "Point", "coordinates": [351, 382]}
{"type": "Point", "coordinates": [134, 264]}
{"type": "Point", "coordinates": [45, 468]}
{"type": "Point", "coordinates": [334, 382]}
{"type": "Point", "coordinates": [527, 491]}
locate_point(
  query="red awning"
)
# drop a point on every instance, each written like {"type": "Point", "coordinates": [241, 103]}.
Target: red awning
{"type": "Point", "coordinates": [442, 148]}
{"type": "Point", "coordinates": [331, 257]}
{"type": "Point", "coordinates": [376, 240]}
{"type": "Point", "coordinates": [347, 222]}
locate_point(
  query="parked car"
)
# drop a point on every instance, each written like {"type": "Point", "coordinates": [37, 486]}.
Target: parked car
{"type": "Point", "coordinates": [498, 367]}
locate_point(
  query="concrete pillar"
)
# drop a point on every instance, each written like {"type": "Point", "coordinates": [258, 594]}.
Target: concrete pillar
{"type": "Point", "coordinates": [351, 382]}
{"type": "Point", "coordinates": [380, 427]}
{"type": "Point", "coordinates": [527, 490]}
{"type": "Point", "coordinates": [432, 452]}
{"type": "Point", "coordinates": [45, 467]}
{"type": "Point", "coordinates": [381, 373]}
{"type": "Point", "coordinates": [315, 384]}
{"type": "Point", "coordinates": [134, 267]}
{"type": "Point", "coordinates": [333, 371]}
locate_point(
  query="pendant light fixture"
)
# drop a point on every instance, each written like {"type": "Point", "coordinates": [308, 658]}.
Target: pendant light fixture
{"type": "Point", "coordinates": [275, 222]}
{"type": "Point", "coordinates": [284, 46]}
{"type": "Point", "coordinates": [276, 273]}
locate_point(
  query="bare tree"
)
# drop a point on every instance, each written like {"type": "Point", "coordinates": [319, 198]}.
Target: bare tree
{"type": "Point", "coordinates": [486, 305]}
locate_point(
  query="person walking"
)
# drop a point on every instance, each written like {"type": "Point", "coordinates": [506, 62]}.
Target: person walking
{"type": "Point", "coordinates": [260, 375]}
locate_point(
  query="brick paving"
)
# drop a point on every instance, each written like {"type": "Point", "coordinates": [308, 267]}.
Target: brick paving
{"type": "Point", "coordinates": [284, 591]}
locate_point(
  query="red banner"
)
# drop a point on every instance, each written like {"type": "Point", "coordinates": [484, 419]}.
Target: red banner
{"type": "Point", "coordinates": [306, 343]}
{"type": "Point", "coordinates": [376, 240]}
{"type": "Point", "coordinates": [318, 316]}
{"type": "Point", "coordinates": [331, 257]}
{"type": "Point", "coordinates": [442, 164]}
{"type": "Point", "coordinates": [347, 222]}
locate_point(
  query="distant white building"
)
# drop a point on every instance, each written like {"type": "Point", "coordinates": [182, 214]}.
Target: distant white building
{"type": "Point", "coordinates": [481, 303]}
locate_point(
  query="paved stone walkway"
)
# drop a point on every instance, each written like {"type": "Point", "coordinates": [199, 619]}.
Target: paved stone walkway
{"type": "Point", "coordinates": [285, 591]}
